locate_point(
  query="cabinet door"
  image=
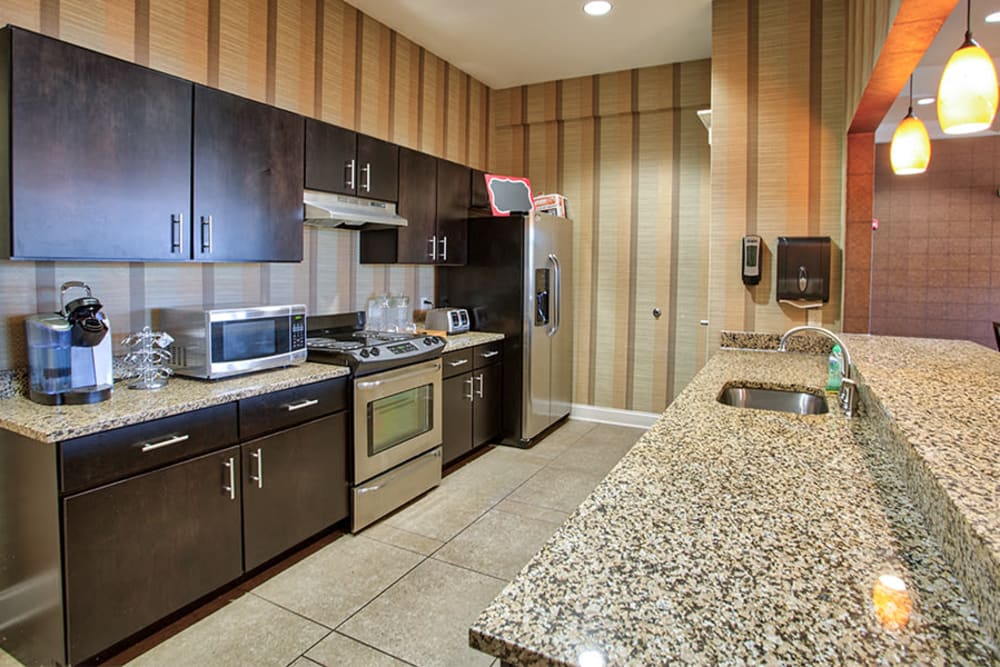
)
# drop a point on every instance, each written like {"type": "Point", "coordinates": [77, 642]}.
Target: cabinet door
{"type": "Point", "coordinates": [479, 197]}
{"type": "Point", "coordinates": [100, 155]}
{"type": "Point", "coordinates": [452, 212]}
{"type": "Point", "coordinates": [487, 390]}
{"type": "Point", "coordinates": [294, 486]}
{"type": "Point", "coordinates": [331, 165]}
{"type": "Point", "coordinates": [144, 547]}
{"type": "Point", "coordinates": [378, 169]}
{"type": "Point", "coordinates": [248, 175]}
{"type": "Point", "coordinates": [417, 242]}
{"type": "Point", "coordinates": [456, 416]}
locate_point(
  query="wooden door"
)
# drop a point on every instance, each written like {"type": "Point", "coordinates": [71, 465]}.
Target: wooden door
{"type": "Point", "coordinates": [331, 163]}
{"type": "Point", "coordinates": [488, 393]}
{"type": "Point", "coordinates": [452, 212]}
{"type": "Point", "coordinates": [248, 176]}
{"type": "Point", "coordinates": [100, 155]}
{"type": "Point", "coordinates": [378, 169]}
{"type": "Point", "coordinates": [456, 416]}
{"type": "Point", "coordinates": [417, 242]}
{"type": "Point", "coordinates": [144, 547]}
{"type": "Point", "coordinates": [294, 486]}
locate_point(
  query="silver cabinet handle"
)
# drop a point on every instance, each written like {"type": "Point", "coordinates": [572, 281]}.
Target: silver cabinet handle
{"type": "Point", "coordinates": [259, 477]}
{"type": "Point", "coordinates": [206, 238]}
{"type": "Point", "coordinates": [367, 171]}
{"type": "Point", "coordinates": [349, 170]}
{"type": "Point", "coordinates": [490, 354]}
{"type": "Point", "coordinates": [230, 463]}
{"type": "Point", "coordinates": [292, 407]}
{"type": "Point", "coordinates": [434, 247]}
{"type": "Point", "coordinates": [479, 392]}
{"type": "Point", "coordinates": [177, 240]}
{"type": "Point", "coordinates": [444, 249]}
{"type": "Point", "coordinates": [171, 440]}
{"type": "Point", "coordinates": [469, 382]}
{"type": "Point", "coordinates": [458, 362]}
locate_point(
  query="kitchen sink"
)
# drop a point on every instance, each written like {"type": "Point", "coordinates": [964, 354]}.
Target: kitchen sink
{"type": "Point", "coordinates": [782, 399]}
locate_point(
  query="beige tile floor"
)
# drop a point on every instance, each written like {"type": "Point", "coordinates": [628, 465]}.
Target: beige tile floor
{"type": "Point", "coordinates": [406, 590]}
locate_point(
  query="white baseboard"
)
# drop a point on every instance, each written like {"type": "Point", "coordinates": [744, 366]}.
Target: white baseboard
{"type": "Point", "coordinates": [614, 416]}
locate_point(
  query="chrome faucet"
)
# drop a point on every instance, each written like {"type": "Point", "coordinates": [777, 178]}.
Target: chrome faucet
{"type": "Point", "coordinates": [848, 397]}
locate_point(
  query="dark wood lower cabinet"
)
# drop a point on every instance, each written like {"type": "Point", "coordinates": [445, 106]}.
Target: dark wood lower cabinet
{"type": "Point", "coordinates": [456, 432]}
{"type": "Point", "coordinates": [487, 391]}
{"type": "Point", "coordinates": [294, 486]}
{"type": "Point", "coordinates": [141, 548]}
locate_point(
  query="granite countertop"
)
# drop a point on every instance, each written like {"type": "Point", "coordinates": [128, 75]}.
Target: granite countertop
{"type": "Point", "coordinates": [736, 536]}
{"type": "Point", "coordinates": [470, 339]}
{"type": "Point", "coordinates": [127, 406]}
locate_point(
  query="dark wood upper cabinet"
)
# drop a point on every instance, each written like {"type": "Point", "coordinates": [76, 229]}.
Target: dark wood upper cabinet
{"type": "Point", "coordinates": [345, 162]}
{"type": "Point", "coordinates": [452, 212]}
{"type": "Point", "coordinates": [479, 198]}
{"type": "Point", "coordinates": [98, 152]}
{"type": "Point", "coordinates": [248, 176]}
{"type": "Point", "coordinates": [434, 199]}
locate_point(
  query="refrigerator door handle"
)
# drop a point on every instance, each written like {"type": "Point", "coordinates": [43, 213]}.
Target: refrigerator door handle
{"type": "Point", "coordinates": [557, 292]}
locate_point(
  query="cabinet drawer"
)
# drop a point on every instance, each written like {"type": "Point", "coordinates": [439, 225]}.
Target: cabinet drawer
{"type": "Point", "coordinates": [486, 354]}
{"type": "Point", "coordinates": [104, 457]}
{"type": "Point", "coordinates": [459, 361]}
{"type": "Point", "coordinates": [281, 409]}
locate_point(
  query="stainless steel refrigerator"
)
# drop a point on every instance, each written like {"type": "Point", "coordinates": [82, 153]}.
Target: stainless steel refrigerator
{"type": "Point", "coordinates": [518, 282]}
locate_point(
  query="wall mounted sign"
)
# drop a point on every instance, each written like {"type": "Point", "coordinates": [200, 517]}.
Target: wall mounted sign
{"type": "Point", "coordinates": [509, 194]}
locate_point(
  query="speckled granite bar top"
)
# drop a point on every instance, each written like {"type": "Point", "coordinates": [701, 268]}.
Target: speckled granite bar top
{"type": "Point", "coordinates": [470, 339]}
{"type": "Point", "coordinates": [131, 406]}
{"type": "Point", "coordinates": [737, 536]}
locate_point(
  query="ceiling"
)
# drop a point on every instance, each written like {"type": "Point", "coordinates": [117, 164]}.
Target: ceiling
{"type": "Point", "coordinates": [506, 43]}
{"type": "Point", "coordinates": [928, 72]}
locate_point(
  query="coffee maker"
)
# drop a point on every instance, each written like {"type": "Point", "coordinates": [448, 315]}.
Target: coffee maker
{"type": "Point", "coordinates": [69, 352]}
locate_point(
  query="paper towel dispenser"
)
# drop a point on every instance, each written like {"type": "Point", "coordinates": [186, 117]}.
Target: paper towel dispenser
{"type": "Point", "coordinates": [803, 268]}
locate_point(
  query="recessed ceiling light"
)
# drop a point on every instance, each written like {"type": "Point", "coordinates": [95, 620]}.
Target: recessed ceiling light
{"type": "Point", "coordinates": [993, 18]}
{"type": "Point", "coordinates": [924, 101]}
{"type": "Point", "coordinates": [597, 7]}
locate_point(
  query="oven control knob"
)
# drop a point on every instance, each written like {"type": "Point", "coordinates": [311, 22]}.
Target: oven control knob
{"type": "Point", "coordinates": [375, 352]}
{"type": "Point", "coordinates": [428, 341]}
{"type": "Point", "coordinates": [364, 353]}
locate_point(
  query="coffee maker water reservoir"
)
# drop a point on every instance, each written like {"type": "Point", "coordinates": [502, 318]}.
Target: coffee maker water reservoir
{"type": "Point", "coordinates": [69, 352]}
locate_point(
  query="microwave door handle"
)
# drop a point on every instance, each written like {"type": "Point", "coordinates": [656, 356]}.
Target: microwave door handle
{"type": "Point", "coordinates": [557, 293]}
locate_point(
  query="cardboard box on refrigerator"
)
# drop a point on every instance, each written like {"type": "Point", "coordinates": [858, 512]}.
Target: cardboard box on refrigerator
{"type": "Point", "coordinates": [554, 204]}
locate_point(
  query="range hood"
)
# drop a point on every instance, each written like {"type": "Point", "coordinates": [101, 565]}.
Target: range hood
{"type": "Point", "coordinates": [325, 209]}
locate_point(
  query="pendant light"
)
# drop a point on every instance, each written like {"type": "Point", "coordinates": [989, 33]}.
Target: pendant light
{"type": "Point", "coordinates": [910, 150]}
{"type": "Point", "coordinates": [967, 94]}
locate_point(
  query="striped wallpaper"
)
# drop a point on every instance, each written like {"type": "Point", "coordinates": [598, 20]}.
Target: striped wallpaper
{"type": "Point", "coordinates": [632, 158]}
{"type": "Point", "coordinates": [320, 58]}
{"type": "Point", "coordinates": [778, 147]}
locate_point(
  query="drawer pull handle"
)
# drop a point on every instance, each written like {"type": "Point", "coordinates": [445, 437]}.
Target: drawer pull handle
{"type": "Point", "coordinates": [259, 477]}
{"type": "Point", "coordinates": [458, 362]}
{"type": "Point", "coordinates": [308, 403]}
{"type": "Point", "coordinates": [491, 353]}
{"type": "Point", "coordinates": [172, 440]}
{"type": "Point", "coordinates": [230, 463]}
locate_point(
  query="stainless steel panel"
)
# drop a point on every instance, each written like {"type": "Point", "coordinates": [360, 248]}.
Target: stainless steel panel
{"type": "Point", "coordinates": [537, 360]}
{"type": "Point", "coordinates": [381, 385]}
{"type": "Point", "coordinates": [561, 341]}
{"type": "Point", "coordinates": [379, 496]}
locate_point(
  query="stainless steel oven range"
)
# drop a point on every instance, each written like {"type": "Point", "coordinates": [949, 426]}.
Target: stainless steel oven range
{"type": "Point", "coordinates": [397, 410]}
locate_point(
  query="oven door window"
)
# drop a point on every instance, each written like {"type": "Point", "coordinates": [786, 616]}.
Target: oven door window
{"type": "Point", "coordinates": [395, 419]}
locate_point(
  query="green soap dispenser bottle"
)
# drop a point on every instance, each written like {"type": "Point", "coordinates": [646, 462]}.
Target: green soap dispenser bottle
{"type": "Point", "coordinates": [835, 369]}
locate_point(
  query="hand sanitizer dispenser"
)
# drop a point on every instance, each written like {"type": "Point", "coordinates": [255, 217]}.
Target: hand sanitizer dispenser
{"type": "Point", "coordinates": [753, 251]}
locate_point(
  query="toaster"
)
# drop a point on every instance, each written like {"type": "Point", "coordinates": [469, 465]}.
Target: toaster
{"type": "Point", "coordinates": [449, 320]}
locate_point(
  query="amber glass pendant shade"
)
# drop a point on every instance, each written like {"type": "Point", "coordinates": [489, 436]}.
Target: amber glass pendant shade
{"type": "Point", "coordinates": [910, 151]}
{"type": "Point", "coordinates": [967, 94]}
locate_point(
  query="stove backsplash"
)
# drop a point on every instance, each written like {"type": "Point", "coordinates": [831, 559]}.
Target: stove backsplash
{"type": "Point", "coordinates": [328, 280]}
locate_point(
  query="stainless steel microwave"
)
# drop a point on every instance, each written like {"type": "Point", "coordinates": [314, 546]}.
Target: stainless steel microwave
{"type": "Point", "coordinates": [213, 343]}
